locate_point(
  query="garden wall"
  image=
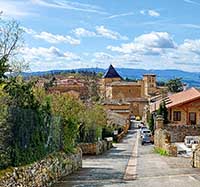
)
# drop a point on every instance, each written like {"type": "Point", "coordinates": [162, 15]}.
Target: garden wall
{"type": "Point", "coordinates": [42, 173]}
{"type": "Point", "coordinates": [95, 148]}
{"type": "Point", "coordinates": [178, 132]}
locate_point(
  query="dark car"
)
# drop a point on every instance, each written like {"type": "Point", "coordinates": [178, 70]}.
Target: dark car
{"type": "Point", "coordinates": [146, 138]}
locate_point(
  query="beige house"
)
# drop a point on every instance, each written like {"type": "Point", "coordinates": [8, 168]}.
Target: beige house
{"type": "Point", "coordinates": [183, 107]}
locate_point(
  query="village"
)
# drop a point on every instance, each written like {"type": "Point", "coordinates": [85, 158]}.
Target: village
{"type": "Point", "coordinates": [99, 93]}
{"type": "Point", "coordinates": [131, 106]}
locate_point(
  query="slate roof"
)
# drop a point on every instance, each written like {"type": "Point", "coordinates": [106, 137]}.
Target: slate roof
{"type": "Point", "coordinates": [111, 73]}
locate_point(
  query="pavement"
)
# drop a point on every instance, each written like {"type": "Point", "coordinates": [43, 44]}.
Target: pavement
{"type": "Point", "coordinates": [131, 164]}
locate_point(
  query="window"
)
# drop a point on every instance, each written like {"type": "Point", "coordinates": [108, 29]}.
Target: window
{"type": "Point", "coordinates": [177, 116]}
{"type": "Point", "coordinates": [192, 118]}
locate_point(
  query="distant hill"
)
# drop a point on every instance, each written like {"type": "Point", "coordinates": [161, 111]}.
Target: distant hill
{"type": "Point", "coordinates": [191, 78]}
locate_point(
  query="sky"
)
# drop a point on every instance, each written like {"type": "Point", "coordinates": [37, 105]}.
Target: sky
{"type": "Point", "coordinates": [145, 34]}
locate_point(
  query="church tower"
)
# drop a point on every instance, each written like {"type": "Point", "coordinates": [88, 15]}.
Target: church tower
{"type": "Point", "coordinates": [110, 76]}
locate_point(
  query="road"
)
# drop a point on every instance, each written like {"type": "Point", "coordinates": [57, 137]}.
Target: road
{"type": "Point", "coordinates": [131, 164]}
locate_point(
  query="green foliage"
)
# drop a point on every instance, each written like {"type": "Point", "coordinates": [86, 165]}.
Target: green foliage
{"type": "Point", "coordinates": [161, 151]}
{"type": "Point", "coordinates": [107, 131]}
{"type": "Point", "coordinates": [151, 123]}
{"type": "Point", "coordinates": [29, 121]}
{"type": "Point", "coordinates": [69, 110]}
{"type": "Point", "coordinates": [163, 111]}
{"type": "Point", "coordinates": [100, 75]}
{"type": "Point", "coordinates": [160, 83]}
{"type": "Point", "coordinates": [175, 85]}
{"type": "Point", "coordinates": [4, 67]}
{"type": "Point", "coordinates": [92, 122]}
{"type": "Point", "coordinates": [40, 123]}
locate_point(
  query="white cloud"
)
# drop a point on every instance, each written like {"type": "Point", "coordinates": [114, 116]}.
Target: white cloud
{"type": "Point", "coordinates": [153, 43]}
{"type": "Point", "coordinates": [192, 26]}
{"type": "Point", "coordinates": [47, 54]}
{"type": "Point", "coordinates": [70, 6]}
{"type": "Point", "coordinates": [120, 15]}
{"type": "Point", "coordinates": [101, 56]}
{"type": "Point", "coordinates": [55, 38]}
{"type": "Point", "coordinates": [190, 46]}
{"type": "Point", "coordinates": [156, 40]}
{"type": "Point", "coordinates": [52, 38]}
{"type": "Point", "coordinates": [15, 9]}
{"type": "Point", "coordinates": [29, 31]}
{"type": "Point", "coordinates": [125, 60]}
{"type": "Point", "coordinates": [143, 12]}
{"type": "Point", "coordinates": [81, 32]}
{"type": "Point", "coordinates": [192, 2]}
{"type": "Point", "coordinates": [102, 31]}
{"type": "Point", "coordinates": [152, 13]}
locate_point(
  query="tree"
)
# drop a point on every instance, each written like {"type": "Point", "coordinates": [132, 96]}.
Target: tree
{"type": "Point", "coordinates": [163, 111]}
{"type": "Point", "coordinates": [10, 43]}
{"type": "Point", "coordinates": [151, 123]}
{"type": "Point", "coordinates": [175, 85]}
{"type": "Point", "coordinates": [69, 110]}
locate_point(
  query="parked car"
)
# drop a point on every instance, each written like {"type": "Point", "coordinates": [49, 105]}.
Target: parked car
{"type": "Point", "coordinates": [144, 130]}
{"type": "Point", "coordinates": [146, 138]}
{"type": "Point", "coordinates": [191, 140]}
{"type": "Point", "coordinates": [132, 118]}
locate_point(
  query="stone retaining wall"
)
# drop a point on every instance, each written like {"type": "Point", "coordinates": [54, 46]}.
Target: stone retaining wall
{"type": "Point", "coordinates": [178, 132]}
{"type": "Point", "coordinates": [42, 173]}
{"type": "Point", "coordinates": [196, 157]}
{"type": "Point", "coordinates": [95, 148]}
{"type": "Point", "coordinates": [162, 139]}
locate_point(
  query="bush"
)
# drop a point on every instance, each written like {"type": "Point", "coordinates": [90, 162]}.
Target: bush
{"type": "Point", "coordinates": [161, 151]}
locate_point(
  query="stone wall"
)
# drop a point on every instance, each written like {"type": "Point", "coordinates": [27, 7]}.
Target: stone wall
{"type": "Point", "coordinates": [196, 157]}
{"type": "Point", "coordinates": [95, 148]}
{"type": "Point", "coordinates": [178, 132]}
{"type": "Point", "coordinates": [43, 173]}
{"type": "Point", "coordinates": [162, 139]}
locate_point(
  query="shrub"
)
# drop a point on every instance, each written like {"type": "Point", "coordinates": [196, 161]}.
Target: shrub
{"type": "Point", "coordinates": [161, 151]}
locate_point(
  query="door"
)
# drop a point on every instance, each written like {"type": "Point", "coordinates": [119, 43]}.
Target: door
{"type": "Point", "coordinates": [192, 118]}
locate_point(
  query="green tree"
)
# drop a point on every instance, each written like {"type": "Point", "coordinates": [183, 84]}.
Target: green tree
{"type": "Point", "coordinates": [151, 123]}
{"type": "Point", "coordinates": [29, 121]}
{"type": "Point", "coordinates": [69, 110]}
{"type": "Point", "coordinates": [92, 122]}
{"type": "Point", "coordinates": [175, 85]}
{"type": "Point", "coordinates": [163, 111]}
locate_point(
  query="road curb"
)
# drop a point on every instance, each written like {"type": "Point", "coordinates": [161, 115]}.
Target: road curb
{"type": "Point", "coordinates": [130, 173]}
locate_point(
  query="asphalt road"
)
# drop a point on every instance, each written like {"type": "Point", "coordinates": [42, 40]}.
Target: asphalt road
{"type": "Point", "coordinates": [149, 168]}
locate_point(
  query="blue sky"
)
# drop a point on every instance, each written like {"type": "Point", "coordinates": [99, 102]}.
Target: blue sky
{"type": "Point", "coordinates": [148, 34]}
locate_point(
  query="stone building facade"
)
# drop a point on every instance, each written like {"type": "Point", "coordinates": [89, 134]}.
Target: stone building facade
{"type": "Point", "coordinates": [127, 98]}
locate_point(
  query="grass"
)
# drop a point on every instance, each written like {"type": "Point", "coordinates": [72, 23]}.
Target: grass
{"type": "Point", "coordinates": [161, 151]}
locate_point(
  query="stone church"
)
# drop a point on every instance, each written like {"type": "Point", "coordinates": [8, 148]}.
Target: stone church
{"type": "Point", "coordinates": [124, 97]}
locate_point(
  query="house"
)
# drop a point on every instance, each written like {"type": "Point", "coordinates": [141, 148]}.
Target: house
{"type": "Point", "coordinates": [124, 97]}
{"type": "Point", "coordinates": [183, 107]}
{"type": "Point", "coordinates": [71, 86]}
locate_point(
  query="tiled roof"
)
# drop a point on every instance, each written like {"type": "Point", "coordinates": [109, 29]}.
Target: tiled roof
{"type": "Point", "coordinates": [177, 99]}
{"type": "Point", "coordinates": [183, 97]}
{"type": "Point", "coordinates": [111, 73]}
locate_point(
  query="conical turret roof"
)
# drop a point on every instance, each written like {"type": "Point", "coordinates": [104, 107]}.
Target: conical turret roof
{"type": "Point", "coordinates": [111, 73]}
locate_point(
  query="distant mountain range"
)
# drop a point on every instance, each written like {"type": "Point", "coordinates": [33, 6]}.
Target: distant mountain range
{"type": "Point", "coordinates": [191, 78]}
